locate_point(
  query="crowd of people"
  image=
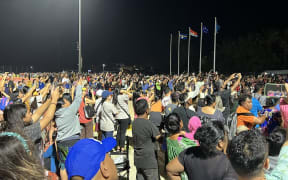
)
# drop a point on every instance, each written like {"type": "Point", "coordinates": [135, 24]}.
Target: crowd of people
{"type": "Point", "coordinates": [209, 125]}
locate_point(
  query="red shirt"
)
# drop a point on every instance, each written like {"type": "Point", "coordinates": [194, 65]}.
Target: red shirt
{"type": "Point", "coordinates": [82, 117]}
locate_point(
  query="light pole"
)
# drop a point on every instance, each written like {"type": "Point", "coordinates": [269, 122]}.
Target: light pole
{"type": "Point", "coordinates": [79, 41]}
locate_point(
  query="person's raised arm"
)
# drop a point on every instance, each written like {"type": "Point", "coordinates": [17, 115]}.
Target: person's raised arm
{"type": "Point", "coordinates": [40, 111]}
{"type": "Point", "coordinates": [49, 115]}
{"type": "Point", "coordinates": [72, 92]}
{"type": "Point", "coordinates": [29, 93]}
{"type": "Point", "coordinates": [3, 92]}
{"type": "Point", "coordinates": [174, 168]}
{"type": "Point", "coordinates": [90, 101]}
{"type": "Point", "coordinates": [237, 82]}
{"type": "Point", "coordinates": [78, 98]}
{"type": "Point", "coordinates": [131, 84]}
{"type": "Point", "coordinates": [3, 81]}
{"type": "Point", "coordinates": [226, 82]}
{"type": "Point", "coordinates": [45, 91]}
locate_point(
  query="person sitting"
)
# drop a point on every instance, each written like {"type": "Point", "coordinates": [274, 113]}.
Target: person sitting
{"type": "Point", "coordinates": [209, 155]}
{"type": "Point", "coordinates": [209, 112]}
{"type": "Point", "coordinates": [88, 159]}
{"type": "Point", "coordinates": [245, 119]}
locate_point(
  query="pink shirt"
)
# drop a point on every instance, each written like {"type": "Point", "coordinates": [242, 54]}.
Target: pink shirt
{"type": "Point", "coordinates": [284, 112]}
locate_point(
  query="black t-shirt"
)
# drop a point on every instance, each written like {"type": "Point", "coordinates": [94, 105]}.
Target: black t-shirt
{"type": "Point", "coordinates": [185, 115]}
{"type": "Point", "coordinates": [144, 133]}
{"type": "Point", "coordinates": [197, 166]}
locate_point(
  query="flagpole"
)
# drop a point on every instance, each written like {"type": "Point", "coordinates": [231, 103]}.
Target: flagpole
{"type": "Point", "coordinates": [200, 48]}
{"type": "Point", "coordinates": [178, 51]}
{"type": "Point", "coordinates": [171, 54]}
{"type": "Point", "coordinates": [214, 61]}
{"type": "Point", "coordinates": [188, 50]}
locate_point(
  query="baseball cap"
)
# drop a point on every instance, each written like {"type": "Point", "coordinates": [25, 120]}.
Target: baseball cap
{"type": "Point", "coordinates": [85, 157]}
{"type": "Point", "coordinates": [99, 92]}
{"type": "Point", "coordinates": [106, 93]}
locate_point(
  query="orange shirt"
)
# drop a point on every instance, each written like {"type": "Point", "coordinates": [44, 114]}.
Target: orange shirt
{"type": "Point", "coordinates": [242, 120]}
{"type": "Point", "coordinates": [156, 107]}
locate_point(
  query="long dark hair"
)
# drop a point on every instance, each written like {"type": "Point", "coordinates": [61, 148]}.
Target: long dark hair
{"type": "Point", "coordinates": [13, 116]}
{"type": "Point", "coordinates": [16, 159]}
{"type": "Point", "coordinates": [115, 96]}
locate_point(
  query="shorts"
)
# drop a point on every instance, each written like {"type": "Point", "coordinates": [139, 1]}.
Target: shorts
{"type": "Point", "coordinates": [63, 150]}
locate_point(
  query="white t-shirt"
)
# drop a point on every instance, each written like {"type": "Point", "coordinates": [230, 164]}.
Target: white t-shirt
{"type": "Point", "coordinates": [123, 102]}
{"type": "Point", "coordinates": [107, 118]}
{"type": "Point", "coordinates": [166, 100]}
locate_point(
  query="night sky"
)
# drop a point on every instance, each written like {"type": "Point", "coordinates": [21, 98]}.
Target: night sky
{"type": "Point", "coordinates": [44, 33]}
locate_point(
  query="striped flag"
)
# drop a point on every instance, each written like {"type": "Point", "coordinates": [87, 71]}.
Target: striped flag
{"type": "Point", "coordinates": [193, 33]}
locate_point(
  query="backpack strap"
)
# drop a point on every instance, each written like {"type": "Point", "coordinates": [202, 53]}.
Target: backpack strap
{"type": "Point", "coordinates": [245, 114]}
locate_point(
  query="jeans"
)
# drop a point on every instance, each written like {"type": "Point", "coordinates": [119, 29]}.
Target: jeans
{"type": "Point", "coordinates": [106, 134]}
{"type": "Point", "coordinates": [121, 131]}
{"type": "Point", "coordinates": [147, 174]}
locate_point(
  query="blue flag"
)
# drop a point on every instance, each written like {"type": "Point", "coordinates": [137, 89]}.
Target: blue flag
{"type": "Point", "coordinates": [183, 36]}
{"type": "Point", "coordinates": [217, 28]}
{"type": "Point", "coordinates": [205, 30]}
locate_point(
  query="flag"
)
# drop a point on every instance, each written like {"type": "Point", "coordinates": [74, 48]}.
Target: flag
{"type": "Point", "coordinates": [217, 28]}
{"type": "Point", "coordinates": [183, 36]}
{"type": "Point", "coordinates": [193, 33]}
{"type": "Point", "coordinates": [205, 30]}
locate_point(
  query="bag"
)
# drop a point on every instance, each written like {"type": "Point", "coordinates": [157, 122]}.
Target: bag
{"type": "Point", "coordinates": [231, 123]}
{"type": "Point", "coordinates": [88, 111]}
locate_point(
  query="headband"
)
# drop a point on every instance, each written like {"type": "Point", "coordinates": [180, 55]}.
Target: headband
{"type": "Point", "coordinates": [20, 138]}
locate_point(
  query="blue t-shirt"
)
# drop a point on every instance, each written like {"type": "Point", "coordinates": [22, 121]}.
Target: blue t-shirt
{"type": "Point", "coordinates": [256, 107]}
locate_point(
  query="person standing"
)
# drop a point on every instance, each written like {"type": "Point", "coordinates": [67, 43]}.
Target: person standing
{"type": "Point", "coordinates": [145, 133]}
{"type": "Point", "coordinates": [108, 113]}
{"type": "Point", "coordinates": [120, 101]}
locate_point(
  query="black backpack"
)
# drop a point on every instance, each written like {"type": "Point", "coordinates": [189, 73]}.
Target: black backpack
{"type": "Point", "coordinates": [88, 111]}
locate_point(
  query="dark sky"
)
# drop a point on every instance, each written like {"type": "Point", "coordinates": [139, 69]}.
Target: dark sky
{"type": "Point", "coordinates": [44, 33]}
